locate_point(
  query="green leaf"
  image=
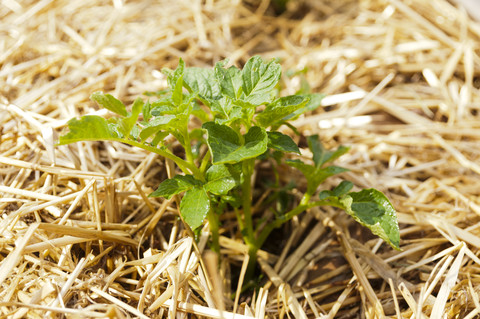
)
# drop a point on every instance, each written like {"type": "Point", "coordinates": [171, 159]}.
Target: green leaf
{"type": "Point", "coordinates": [126, 124]}
{"type": "Point", "coordinates": [200, 113]}
{"type": "Point", "coordinates": [156, 93]}
{"type": "Point", "coordinates": [228, 111]}
{"type": "Point", "coordinates": [135, 132]}
{"type": "Point", "coordinates": [279, 109]}
{"type": "Point", "coordinates": [222, 109]}
{"type": "Point", "coordinates": [259, 79]}
{"type": "Point", "coordinates": [320, 175]}
{"type": "Point", "coordinates": [282, 142]}
{"type": "Point", "coordinates": [246, 110]}
{"type": "Point", "coordinates": [155, 125]}
{"type": "Point", "coordinates": [230, 79]}
{"type": "Point", "coordinates": [88, 128]}
{"type": "Point", "coordinates": [166, 106]}
{"type": "Point", "coordinates": [320, 154]}
{"type": "Point", "coordinates": [341, 189]}
{"type": "Point", "coordinates": [315, 100]}
{"type": "Point", "coordinates": [159, 137]}
{"type": "Point", "coordinates": [194, 207]}
{"type": "Point", "coordinates": [175, 185]}
{"type": "Point", "coordinates": [173, 76]}
{"type": "Point", "coordinates": [175, 82]}
{"type": "Point", "coordinates": [202, 81]}
{"type": "Point", "coordinates": [226, 147]}
{"type": "Point", "coordinates": [372, 209]}
{"type": "Point", "coordinates": [109, 102]}
{"type": "Point", "coordinates": [219, 180]}
{"type": "Point", "coordinates": [315, 175]}
{"type": "Point", "coordinates": [163, 106]}
{"type": "Point", "coordinates": [177, 92]}
{"type": "Point", "coordinates": [307, 170]}
{"type": "Point", "coordinates": [146, 109]}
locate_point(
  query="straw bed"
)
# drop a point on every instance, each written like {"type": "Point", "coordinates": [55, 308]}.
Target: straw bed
{"type": "Point", "coordinates": [80, 238]}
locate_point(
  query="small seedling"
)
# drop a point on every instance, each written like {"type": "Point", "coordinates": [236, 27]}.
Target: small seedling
{"type": "Point", "coordinates": [240, 114]}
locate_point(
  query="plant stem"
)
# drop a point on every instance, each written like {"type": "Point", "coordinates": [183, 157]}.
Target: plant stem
{"type": "Point", "coordinates": [205, 161]}
{"type": "Point", "coordinates": [247, 167]}
{"type": "Point", "coordinates": [239, 219]}
{"type": "Point", "coordinates": [186, 167]}
{"type": "Point", "coordinates": [247, 229]}
{"type": "Point", "coordinates": [302, 206]}
{"type": "Point", "coordinates": [187, 147]}
{"type": "Point", "coordinates": [213, 221]}
{"type": "Point", "coordinates": [252, 262]}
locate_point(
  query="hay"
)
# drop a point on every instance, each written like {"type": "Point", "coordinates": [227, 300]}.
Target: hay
{"type": "Point", "coordinates": [79, 237]}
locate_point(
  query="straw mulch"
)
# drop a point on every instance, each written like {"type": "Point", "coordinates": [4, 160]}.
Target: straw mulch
{"type": "Point", "coordinates": [80, 239]}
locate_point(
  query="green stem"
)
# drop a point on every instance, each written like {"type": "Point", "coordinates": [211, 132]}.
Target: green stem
{"type": "Point", "coordinates": [302, 206]}
{"type": "Point", "coordinates": [252, 247]}
{"type": "Point", "coordinates": [239, 219]}
{"type": "Point", "coordinates": [252, 262]}
{"type": "Point", "coordinates": [205, 161]}
{"type": "Point", "coordinates": [186, 167]}
{"type": "Point", "coordinates": [187, 147]}
{"type": "Point", "coordinates": [247, 231]}
{"type": "Point", "coordinates": [214, 227]}
{"type": "Point", "coordinates": [247, 167]}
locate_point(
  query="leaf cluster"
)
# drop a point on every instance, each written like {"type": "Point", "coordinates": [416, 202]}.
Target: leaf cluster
{"type": "Point", "coordinates": [240, 113]}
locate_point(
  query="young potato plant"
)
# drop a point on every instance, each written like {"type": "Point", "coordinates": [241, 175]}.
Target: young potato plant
{"type": "Point", "coordinates": [240, 112]}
